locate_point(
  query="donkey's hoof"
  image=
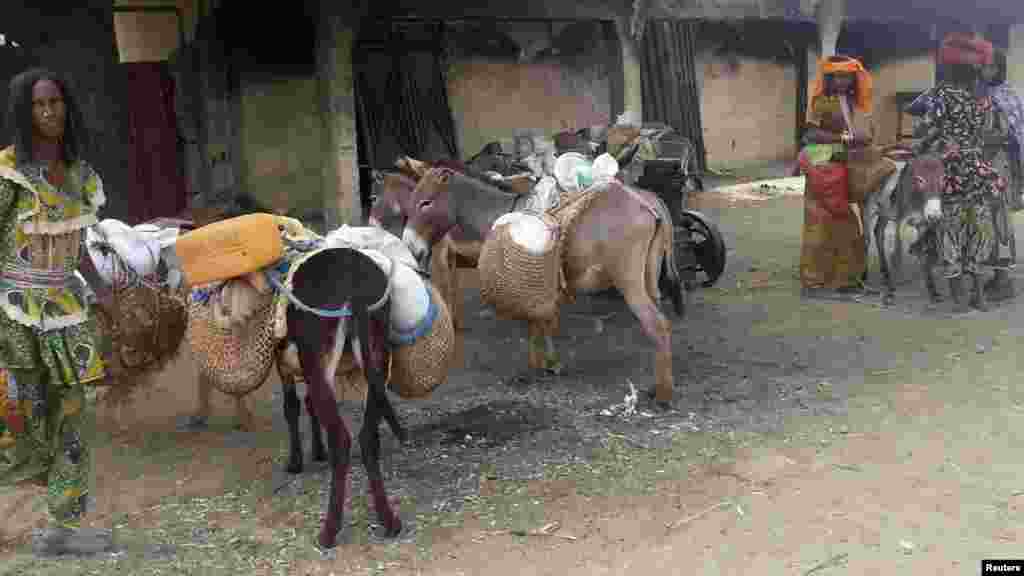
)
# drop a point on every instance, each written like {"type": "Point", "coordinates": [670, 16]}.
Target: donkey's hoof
{"type": "Point", "coordinates": [392, 528]}
{"type": "Point", "coordinates": [524, 377]}
{"type": "Point", "coordinates": [888, 300]}
{"type": "Point", "coordinates": [294, 465]}
{"type": "Point", "coordinates": [554, 369]}
{"type": "Point", "coordinates": [327, 540]}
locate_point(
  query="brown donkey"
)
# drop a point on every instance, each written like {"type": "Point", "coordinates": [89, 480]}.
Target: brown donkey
{"type": "Point", "coordinates": [392, 194]}
{"type": "Point", "coordinates": [391, 206]}
{"type": "Point", "coordinates": [622, 239]}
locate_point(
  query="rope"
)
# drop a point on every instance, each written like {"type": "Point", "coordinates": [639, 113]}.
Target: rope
{"type": "Point", "coordinates": [273, 274]}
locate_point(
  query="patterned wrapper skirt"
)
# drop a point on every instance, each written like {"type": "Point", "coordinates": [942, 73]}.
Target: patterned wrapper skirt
{"type": "Point", "coordinates": [832, 253]}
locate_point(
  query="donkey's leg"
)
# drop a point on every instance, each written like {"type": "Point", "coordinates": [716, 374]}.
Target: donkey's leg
{"type": "Point", "coordinates": [309, 333]}
{"type": "Point", "coordinates": [552, 362]}
{"type": "Point", "coordinates": [292, 411]}
{"type": "Point", "coordinates": [243, 416]}
{"type": "Point", "coordinates": [897, 251]}
{"type": "Point", "coordinates": [387, 410]}
{"type": "Point", "coordinates": [659, 329]}
{"type": "Point", "coordinates": [631, 279]}
{"type": "Point", "coordinates": [883, 261]}
{"type": "Point", "coordinates": [978, 298]}
{"type": "Point", "coordinates": [204, 388]}
{"type": "Point", "coordinates": [535, 344]}
{"type": "Point", "coordinates": [319, 451]}
{"type": "Point", "coordinates": [928, 264]}
{"type": "Point", "coordinates": [456, 301]}
{"type": "Point", "coordinates": [956, 289]}
{"type": "Point", "coordinates": [442, 268]}
{"type": "Point", "coordinates": [369, 437]}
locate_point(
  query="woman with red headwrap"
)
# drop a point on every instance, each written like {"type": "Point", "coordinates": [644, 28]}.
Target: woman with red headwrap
{"type": "Point", "coordinates": [833, 257]}
{"type": "Point", "coordinates": [954, 127]}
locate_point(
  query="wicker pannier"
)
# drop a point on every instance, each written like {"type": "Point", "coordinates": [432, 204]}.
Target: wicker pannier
{"type": "Point", "coordinates": [419, 367]}
{"type": "Point", "coordinates": [144, 332]}
{"type": "Point", "coordinates": [517, 283]}
{"type": "Point", "coordinates": [235, 360]}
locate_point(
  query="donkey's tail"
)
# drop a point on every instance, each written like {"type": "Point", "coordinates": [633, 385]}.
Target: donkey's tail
{"type": "Point", "coordinates": [669, 280]}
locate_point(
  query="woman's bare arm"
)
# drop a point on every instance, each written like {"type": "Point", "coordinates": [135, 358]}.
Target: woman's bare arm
{"type": "Point", "coordinates": [815, 135]}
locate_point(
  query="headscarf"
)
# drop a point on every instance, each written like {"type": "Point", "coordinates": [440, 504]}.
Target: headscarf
{"type": "Point", "coordinates": [960, 48]}
{"type": "Point", "coordinates": [845, 64]}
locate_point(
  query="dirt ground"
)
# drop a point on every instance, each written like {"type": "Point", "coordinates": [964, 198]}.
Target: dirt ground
{"type": "Point", "coordinates": [807, 437]}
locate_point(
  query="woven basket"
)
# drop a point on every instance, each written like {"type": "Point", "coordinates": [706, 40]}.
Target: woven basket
{"type": "Point", "coordinates": [235, 360]}
{"type": "Point", "coordinates": [145, 331]}
{"type": "Point", "coordinates": [518, 284]}
{"type": "Point", "coordinates": [418, 368]}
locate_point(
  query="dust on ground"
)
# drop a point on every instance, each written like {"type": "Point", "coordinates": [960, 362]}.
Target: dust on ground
{"type": "Point", "coordinates": [797, 429]}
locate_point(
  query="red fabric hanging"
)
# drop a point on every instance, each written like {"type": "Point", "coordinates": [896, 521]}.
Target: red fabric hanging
{"type": "Point", "coordinates": [157, 179]}
{"type": "Point", "coordinates": [829, 184]}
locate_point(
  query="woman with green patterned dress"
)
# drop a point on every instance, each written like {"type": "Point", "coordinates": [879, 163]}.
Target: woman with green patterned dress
{"type": "Point", "coordinates": [48, 339]}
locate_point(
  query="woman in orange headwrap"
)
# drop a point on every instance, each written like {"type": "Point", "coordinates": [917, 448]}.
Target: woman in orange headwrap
{"type": "Point", "coordinates": [954, 127]}
{"type": "Point", "coordinates": [832, 258]}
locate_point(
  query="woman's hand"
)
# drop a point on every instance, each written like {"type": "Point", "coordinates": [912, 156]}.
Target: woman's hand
{"type": "Point", "coordinates": [858, 139]}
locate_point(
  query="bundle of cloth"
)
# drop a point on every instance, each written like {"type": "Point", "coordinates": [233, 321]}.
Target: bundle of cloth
{"type": "Point", "coordinates": [112, 245]}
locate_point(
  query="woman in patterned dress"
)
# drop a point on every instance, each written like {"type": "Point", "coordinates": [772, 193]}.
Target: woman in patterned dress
{"type": "Point", "coordinates": [1004, 127]}
{"type": "Point", "coordinates": [833, 256]}
{"type": "Point", "coordinates": [1011, 110]}
{"type": "Point", "coordinates": [954, 127]}
{"type": "Point", "coordinates": [48, 339]}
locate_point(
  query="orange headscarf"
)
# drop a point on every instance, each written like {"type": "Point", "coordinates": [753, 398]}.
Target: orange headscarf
{"type": "Point", "coordinates": [965, 49]}
{"type": "Point", "coordinates": [841, 64]}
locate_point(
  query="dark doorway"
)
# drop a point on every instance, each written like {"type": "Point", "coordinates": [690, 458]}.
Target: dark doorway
{"type": "Point", "coordinates": [401, 96]}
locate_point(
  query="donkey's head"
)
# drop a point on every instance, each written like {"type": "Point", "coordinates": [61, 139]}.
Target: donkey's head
{"type": "Point", "coordinates": [432, 213]}
{"type": "Point", "coordinates": [392, 194]}
{"type": "Point", "coordinates": [927, 177]}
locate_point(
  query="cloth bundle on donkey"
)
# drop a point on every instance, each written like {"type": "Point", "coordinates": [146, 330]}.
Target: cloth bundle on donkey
{"type": "Point", "coordinates": [237, 322]}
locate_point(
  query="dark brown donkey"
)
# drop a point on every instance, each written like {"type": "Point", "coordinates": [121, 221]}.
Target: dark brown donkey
{"type": "Point", "coordinates": [622, 239]}
{"type": "Point", "coordinates": [335, 280]}
{"type": "Point", "coordinates": [917, 200]}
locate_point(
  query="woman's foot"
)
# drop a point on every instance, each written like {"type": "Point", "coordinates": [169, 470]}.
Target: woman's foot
{"type": "Point", "coordinates": [59, 541]}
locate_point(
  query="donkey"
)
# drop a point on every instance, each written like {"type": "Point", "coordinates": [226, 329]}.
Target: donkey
{"type": "Point", "coordinates": [286, 363]}
{"type": "Point", "coordinates": [334, 280]}
{"type": "Point", "coordinates": [389, 209]}
{"type": "Point", "coordinates": [458, 249]}
{"type": "Point", "coordinates": [912, 194]}
{"type": "Point", "coordinates": [623, 239]}
{"type": "Point", "coordinates": [344, 312]}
